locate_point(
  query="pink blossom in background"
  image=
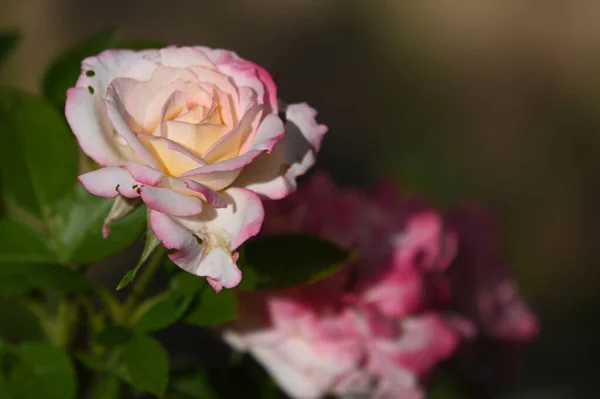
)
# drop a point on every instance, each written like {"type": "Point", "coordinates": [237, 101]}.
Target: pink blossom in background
{"type": "Point", "coordinates": [482, 285]}
{"type": "Point", "coordinates": [196, 133]}
{"type": "Point", "coordinates": [364, 330]}
{"type": "Point", "coordinates": [421, 283]}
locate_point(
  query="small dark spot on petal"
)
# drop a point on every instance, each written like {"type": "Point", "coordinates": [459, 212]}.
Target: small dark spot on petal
{"type": "Point", "coordinates": [172, 251]}
{"type": "Point", "coordinates": [199, 240]}
{"type": "Point", "coordinates": [90, 73]}
{"type": "Point", "coordinates": [117, 187]}
{"type": "Point", "coordinates": [91, 89]}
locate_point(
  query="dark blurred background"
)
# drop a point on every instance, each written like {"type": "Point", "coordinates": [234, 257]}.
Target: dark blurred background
{"type": "Point", "coordinates": [497, 101]}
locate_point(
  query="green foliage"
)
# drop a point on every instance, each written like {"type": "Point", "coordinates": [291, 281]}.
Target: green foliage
{"type": "Point", "coordinates": [289, 259]}
{"type": "Point", "coordinates": [108, 387]}
{"type": "Point", "coordinates": [161, 311]}
{"type": "Point", "coordinates": [144, 364]}
{"type": "Point", "coordinates": [195, 384]}
{"type": "Point", "coordinates": [42, 371]}
{"type": "Point", "coordinates": [38, 157]}
{"type": "Point", "coordinates": [18, 322]}
{"type": "Point", "coordinates": [150, 246]}
{"type": "Point", "coordinates": [64, 71]}
{"type": "Point", "coordinates": [7, 44]}
{"type": "Point", "coordinates": [22, 244]}
{"type": "Point", "coordinates": [45, 276]}
{"type": "Point", "coordinates": [211, 308]}
{"type": "Point", "coordinates": [78, 227]}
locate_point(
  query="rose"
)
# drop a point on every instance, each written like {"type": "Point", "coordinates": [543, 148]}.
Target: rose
{"type": "Point", "coordinates": [195, 133]}
{"type": "Point", "coordinates": [356, 333]}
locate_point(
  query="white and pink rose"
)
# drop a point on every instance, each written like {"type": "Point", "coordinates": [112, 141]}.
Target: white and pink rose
{"type": "Point", "coordinates": [195, 133]}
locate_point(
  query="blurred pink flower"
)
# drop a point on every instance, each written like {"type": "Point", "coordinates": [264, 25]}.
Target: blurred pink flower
{"type": "Point", "coordinates": [419, 284]}
{"type": "Point", "coordinates": [356, 332]}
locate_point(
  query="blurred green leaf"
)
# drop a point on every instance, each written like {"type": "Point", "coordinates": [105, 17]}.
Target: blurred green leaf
{"type": "Point", "coordinates": [196, 385]}
{"type": "Point", "coordinates": [14, 284]}
{"type": "Point", "coordinates": [64, 71]}
{"type": "Point", "coordinates": [161, 311]}
{"type": "Point", "coordinates": [150, 246]}
{"type": "Point", "coordinates": [144, 364]}
{"type": "Point", "coordinates": [4, 390]}
{"type": "Point", "coordinates": [107, 388]}
{"type": "Point", "coordinates": [211, 308]}
{"type": "Point", "coordinates": [114, 335]}
{"type": "Point", "coordinates": [21, 243]}
{"type": "Point", "coordinates": [91, 362]}
{"type": "Point", "coordinates": [49, 276]}
{"type": "Point", "coordinates": [38, 156]}
{"type": "Point", "coordinates": [43, 371]}
{"type": "Point", "coordinates": [285, 260]}
{"type": "Point", "coordinates": [17, 322]}
{"type": "Point", "coordinates": [7, 44]}
{"type": "Point", "coordinates": [79, 227]}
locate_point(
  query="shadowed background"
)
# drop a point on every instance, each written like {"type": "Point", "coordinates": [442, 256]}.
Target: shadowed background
{"type": "Point", "coordinates": [496, 101]}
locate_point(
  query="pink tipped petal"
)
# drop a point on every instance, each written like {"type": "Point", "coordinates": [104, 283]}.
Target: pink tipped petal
{"type": "Point", "coordinates": [274, 175]}
{"type": "Point", "coordinates": [86, 115]}
{"type": "Point", "coordinates": [303, 116]}
{"type": "Point", "coordinates": [221, 231]}
{"type": "Point", "coordinates": [143, 174]}
{"type": "Point", "coordinates": [170, 202]}
{"type": "Point", "coordinates": [207, 259]}
{"type": "Point", "coordinates": [212, 197]}
{"type": "Point", "coordinates": [109, 182]}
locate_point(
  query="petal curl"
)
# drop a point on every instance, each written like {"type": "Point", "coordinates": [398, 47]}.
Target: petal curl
{"type": "Point", "coordinates": [109, 182]}
{"type": "Point", "coordinates": [221, 231]}
{"type": "Point", "coordinates": [274, 175]}
{"type": "Point", "coordinates": [170, 202]}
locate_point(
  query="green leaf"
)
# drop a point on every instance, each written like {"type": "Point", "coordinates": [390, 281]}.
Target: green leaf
{"type": "Point", "coordinates": [144, 364]}
{"type": "Point", "coordinates": [107, 388]}
{"type": "Point", "coordinates": [49, 276]}
{"type": "Point", "coordinates": [113, 336]}
{"type": "Point", "coordinates": [64, 71]}
{"type": "Point", "coordinates": [4, 390]}
{"type": "Point", "coordinates": [195, 385]}
{"type": "Point", "coordinates": [38, 156]}
{"type": "Point", "coordinates": [79, 227]}
{"type": "Point", "coordinates": [7, 43]}
{"type": "Point", "coordinates": [285, 260]}
{"type": "Point", "coordinates": [43, 371]}
{"type": "Point", "coordinates": [14, 284]}
{"type": "Point", "coordinates": [212, 308]}
{"type": "Point", "coordinates": [21, 243]}
{"type": "Point", "coordinates": [151, 243]}
{"type": "Point", "coordinates": [17, 322]}
{"type": "Point", "coordinates": [161, 311]}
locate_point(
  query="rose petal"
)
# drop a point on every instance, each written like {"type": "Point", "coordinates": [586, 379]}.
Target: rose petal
{"type": "Point", "coordinates": [221, 231]}
{"type": "Point", "coordinates": [246, 74]}
{"type": "Point", "coordinates": [116, 112]}
{"type": "Point", "coordinates": [173, 158]}
{"type": "Point", "coordinates": [85, 111]}
{"type": "Point", "coordinates": [170, 202]}
{"type": "Point", "coordinates": [183, 57]}
{"type": "Point", "coordinates": [143, 174]}
{"type": "Point", "coordinates": [109, 182]}
{"type": "Point", "coordinates": [229, 145]}
{"type": "Point", "coordinates": [274, 175]}
{"type": "Point", "coordinates": [212, 197]}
